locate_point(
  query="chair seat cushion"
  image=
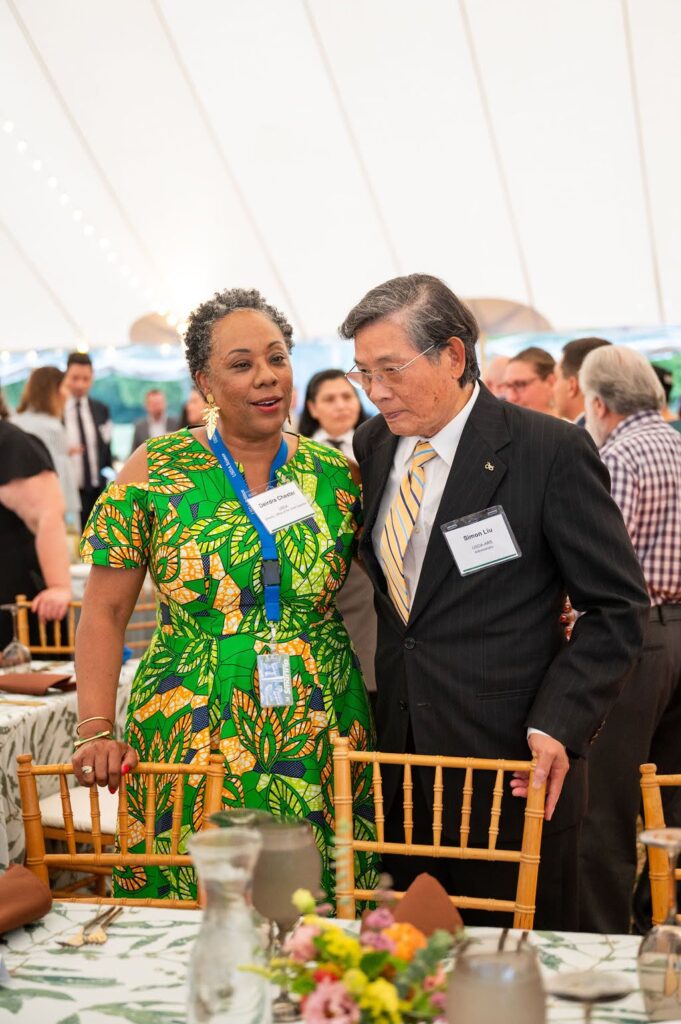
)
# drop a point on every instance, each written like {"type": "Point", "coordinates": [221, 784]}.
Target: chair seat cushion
{"type": "Point", "coordinates": [53, 815]}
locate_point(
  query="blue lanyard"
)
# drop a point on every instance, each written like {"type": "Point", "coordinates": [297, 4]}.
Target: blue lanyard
{"type": "Point", "coordinates": [271, 575]}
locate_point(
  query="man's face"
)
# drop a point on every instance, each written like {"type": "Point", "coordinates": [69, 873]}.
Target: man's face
{"type": "Point", "coordinates": [524, 386]}
{"type": "Point", "coordinates": [565, 392]}
{"type": "Point", "coordinates": [78, 379]}
{"type": "Point", "coordinates": [427, 395]}
{"type": "Point", "coordinates": [595, 423]}
{"type": "Point", "coordinates": [155, 404]}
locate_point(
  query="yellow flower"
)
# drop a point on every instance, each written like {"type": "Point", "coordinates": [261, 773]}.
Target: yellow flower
{"type": "Point", "coordinates": [407, 939]}
{"type": "Point", "coordinates": [355, 981]}
{"type": "Point", "coordinates": [381, 1002]}
{"type": "Point", "coordinates": [303, 901]}
{"type": "Point", "coordinates": [339, 947]}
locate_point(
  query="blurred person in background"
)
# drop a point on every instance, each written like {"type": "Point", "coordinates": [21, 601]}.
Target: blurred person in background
{"type": "Point", "coordinates": [331, 413]}
{"type": "Point", "coordinates": [493, 375]}
{"type": "Point", "coordinates": [88, 427]}
{"type": "Point", "coordinates": [623, 399]}
{"type": "Point", "coordinates": [33, 539]}
{"type": "Point", "coordinates": [157, 421]}
{"type": "Point", "coordinates": [568, 399]}
{"type": "Point", "coordinates": [193, 409]}
{"type": "Point", "coordinates": [529, 379]}
{"type": "Point", "coordinates": [666, 379]}
{"type": "Point", "coordinates": [39, 413]}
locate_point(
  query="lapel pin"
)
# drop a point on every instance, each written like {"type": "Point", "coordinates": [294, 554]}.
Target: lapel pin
{"type": "Point", "coordinates": [489, 466]}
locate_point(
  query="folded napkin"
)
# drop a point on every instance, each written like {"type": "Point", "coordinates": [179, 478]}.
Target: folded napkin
{"type": "Point", "coordinates": [35, 683]}
{"type": "Point", "coordinates": [23, 898]}
{"type": "Point", "coordinates": [427, 906]}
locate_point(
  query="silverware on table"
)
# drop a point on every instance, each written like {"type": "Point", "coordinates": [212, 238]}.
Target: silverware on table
{"type": "Point", "coordinates": [93, 930]}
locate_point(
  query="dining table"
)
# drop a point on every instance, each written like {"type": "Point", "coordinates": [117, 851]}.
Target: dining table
{"type": "Point", "coordinates": [140, 974]}
{"type": "Point", "coordinates": [44, 727]}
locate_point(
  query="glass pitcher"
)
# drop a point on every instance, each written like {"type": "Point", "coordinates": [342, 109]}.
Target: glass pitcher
{"type": "Point", "coordinates": [220, 991]}
{"type": "Point", "coordinates": [488, 986]}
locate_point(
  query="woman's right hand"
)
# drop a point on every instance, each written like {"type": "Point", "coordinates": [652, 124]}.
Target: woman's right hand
{"type": "Point", "coordinates": [108, 759]}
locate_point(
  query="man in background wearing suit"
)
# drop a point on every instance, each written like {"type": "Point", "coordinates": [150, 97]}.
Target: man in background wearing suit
{"type": "Point", "coordinates": [478, 664]}
{"type": "Point", "coordinates": [88, 426]}
{"type": "Point", "coordinates": [156, 422]}
{"type": "Point", "coordinates": [567, 394]}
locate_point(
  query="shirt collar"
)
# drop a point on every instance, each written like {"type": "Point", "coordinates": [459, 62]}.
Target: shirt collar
{"type": "Point", "coordinates": [446, 441]}
{"type": "Point", "coordinates": [636, 418]}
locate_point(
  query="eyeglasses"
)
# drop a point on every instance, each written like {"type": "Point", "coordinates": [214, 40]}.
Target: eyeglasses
{"type": "Point", "coordinates": [390, 376]}
{"type": "Point", "coordinates": [519, 385]}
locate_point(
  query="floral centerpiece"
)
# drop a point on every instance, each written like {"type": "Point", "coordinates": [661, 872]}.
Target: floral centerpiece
{"type": "Point", "coordinates": [388, 974]}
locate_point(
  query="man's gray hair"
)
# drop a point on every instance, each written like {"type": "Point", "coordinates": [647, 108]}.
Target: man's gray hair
{"type": "Point", "coordinates": [622, 378]}
{"type": "Point", "coordinates": [199, 336]}
{"type": "Point", "coordinates": [429, 311]}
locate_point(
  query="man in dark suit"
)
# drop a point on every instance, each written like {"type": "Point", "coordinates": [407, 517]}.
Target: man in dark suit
{"type": "Point", "coordinates": [478, 664]}
{"type": "Point", "coordinates": [88, 426]}
{"type": "Point", "coordinates": [567, 394]}
{"type": "Point", "coordinates": [157, 421]}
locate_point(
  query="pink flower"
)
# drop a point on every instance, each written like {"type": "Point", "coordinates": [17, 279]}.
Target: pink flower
{"type": "Point", "coordinates": [433, 981]}
{"type": "Point", "coordinates": [299, 945]}
{"type": "Point", "coordinates": [438, 1000]}
{"type": "Point", "coordinates": [376, 940]}
{"type": "Point", "coordinates": [378, 919]}
{"type": "Point", "coordinates": [330, 1001]}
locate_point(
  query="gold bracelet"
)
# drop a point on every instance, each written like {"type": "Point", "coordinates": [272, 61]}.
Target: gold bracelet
{"type": "Point", "coordinates": [94, 718]}
{"type": "Point", "coordinates": [105, 735]}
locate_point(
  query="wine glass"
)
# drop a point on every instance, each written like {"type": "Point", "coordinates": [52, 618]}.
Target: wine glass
{"type": "Point", "coordinates": [659, 955]}
{"type": "Point", "coordinates": [589, 988]}
{"type": "Point", "coordinates": [15, 655]}
{"type": "Point", "coordinates": [289, 860]}
{"type": "Point", "coordinates": [486, 987]}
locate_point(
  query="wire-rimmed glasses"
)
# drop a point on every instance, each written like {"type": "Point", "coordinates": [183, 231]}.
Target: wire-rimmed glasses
{"type": "Point", "coordinates": [15, 655]}
{"type": "Point", "coordinates": [389, 376]}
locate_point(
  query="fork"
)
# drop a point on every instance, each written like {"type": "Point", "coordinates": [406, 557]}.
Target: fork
{"type": "Point", "coordinates": [82, 934]}
{"type": "Point", "coordinates": [97, 936]}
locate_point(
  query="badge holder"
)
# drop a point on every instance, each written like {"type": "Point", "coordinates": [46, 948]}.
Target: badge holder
{"type": "Point", "coordinates": [274, 673]}
{"type": "Point", "coordinates": [481, 540]}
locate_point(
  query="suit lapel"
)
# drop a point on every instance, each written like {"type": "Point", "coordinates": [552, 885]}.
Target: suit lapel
{"type": "Point", "coordinates": [476, 473]}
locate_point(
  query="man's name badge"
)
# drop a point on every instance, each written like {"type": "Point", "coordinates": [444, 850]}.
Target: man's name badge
{"type": "Point", "coordinates": [274, 674]}
{"type": "Point", "coordinates": [281, 506]}
{"type": "Point", "coordinates": [482, 539]}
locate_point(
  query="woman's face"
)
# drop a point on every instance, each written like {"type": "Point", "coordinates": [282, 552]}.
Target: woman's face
{"type": "Point", "coordinates": [249, 374]}
{"type": "Point", "coordinates": [336, 407]}
{"type": "Point", "coordinates": [194, 407]}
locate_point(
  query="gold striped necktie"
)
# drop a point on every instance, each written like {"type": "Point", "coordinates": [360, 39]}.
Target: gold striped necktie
{"type": "Point", "coordinates": [399, 525]}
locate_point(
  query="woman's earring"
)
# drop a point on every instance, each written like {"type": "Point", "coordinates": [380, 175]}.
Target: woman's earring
{"type": "Point", "coordinates": [211, 415]}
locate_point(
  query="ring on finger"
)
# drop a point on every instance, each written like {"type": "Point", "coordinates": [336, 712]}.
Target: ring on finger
{"type": "Point", "coordinates": [87, 769]}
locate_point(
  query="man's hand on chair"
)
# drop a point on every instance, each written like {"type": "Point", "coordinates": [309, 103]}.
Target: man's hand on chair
{"type": "Point", "coordinates": [552, 766]}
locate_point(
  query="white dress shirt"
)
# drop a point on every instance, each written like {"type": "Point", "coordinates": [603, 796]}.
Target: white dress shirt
{"type": "Point", "coordinates": [445, 443]}
{"type": "Point", "coordinates": [73, 433]}
{"type": "Point", "coordinates": [345, 441]}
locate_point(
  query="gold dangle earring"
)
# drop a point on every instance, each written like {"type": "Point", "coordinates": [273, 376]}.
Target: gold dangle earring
{"type": "Point", "coordinates": [211, 415]}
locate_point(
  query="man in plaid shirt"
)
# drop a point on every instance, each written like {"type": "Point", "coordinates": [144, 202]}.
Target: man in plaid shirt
{"type": "Point", "coordinates": [623, 398]}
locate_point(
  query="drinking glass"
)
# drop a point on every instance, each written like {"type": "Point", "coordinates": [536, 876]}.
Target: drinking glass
{"type": "Point", "coordinates": [659, 956]}
{"type": "Point", "coordinates": [589, 988]}
{"type": "Point", "coordinates": [289, 860]}
{"type": "Point", "coordinates": [487, 987]}
{"type": "Point", "coordinates": [16, 655]}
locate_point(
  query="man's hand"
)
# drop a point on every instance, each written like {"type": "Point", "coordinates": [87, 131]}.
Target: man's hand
{"type": "Point", "coordinates": [552, 765]}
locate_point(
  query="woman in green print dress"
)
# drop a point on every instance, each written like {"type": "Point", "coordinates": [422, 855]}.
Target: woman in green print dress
{"type": "Point", "coordinates": [197, 691]}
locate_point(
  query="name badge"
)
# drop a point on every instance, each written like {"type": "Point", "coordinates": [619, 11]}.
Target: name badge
{"type": "Point", "coordinates": [482, 539]}
{"type": "Point", "coordinates": [281, 506]}
{"type": "Point", "coordinates": [274, 674]}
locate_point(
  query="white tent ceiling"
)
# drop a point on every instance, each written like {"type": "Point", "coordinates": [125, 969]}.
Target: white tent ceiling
{"type": "Point", "coordinates": [152, 151]}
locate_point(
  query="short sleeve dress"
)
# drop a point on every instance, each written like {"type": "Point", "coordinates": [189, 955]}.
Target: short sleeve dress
{"type": "Point", "coordinates": [196, 690]}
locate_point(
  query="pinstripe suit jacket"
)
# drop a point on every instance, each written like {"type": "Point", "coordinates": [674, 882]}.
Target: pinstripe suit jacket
{"type": "Point", "coordinates": [484, 657]}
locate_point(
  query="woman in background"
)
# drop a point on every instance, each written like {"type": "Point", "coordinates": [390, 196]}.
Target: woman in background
{"type": "Point", "coordinates": [331, 413]}
{"type": "Point", "coordinates": [39, 412]}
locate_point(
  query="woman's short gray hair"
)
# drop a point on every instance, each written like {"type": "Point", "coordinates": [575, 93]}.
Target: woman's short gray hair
{"type": "Point", "coordinates": [622, 378]}
{"type": "Point", "coordinates": [199, 334]}
{"type": "Point", "coordinates": [431, 312]}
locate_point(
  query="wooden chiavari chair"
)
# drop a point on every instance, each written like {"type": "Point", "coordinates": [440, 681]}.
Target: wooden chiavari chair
{"type": "Point", "coordinates": [59, 637]}
{"type": "Point", "coordinates": [527, 856]}
{"type": "Point", "coordinates": [101, 860]}
{"type": "Point", "coordinates": [661, 878]}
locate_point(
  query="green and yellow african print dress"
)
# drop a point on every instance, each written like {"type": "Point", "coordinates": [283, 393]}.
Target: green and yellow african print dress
{"type": "Point", "coordinates": [196, 689]}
